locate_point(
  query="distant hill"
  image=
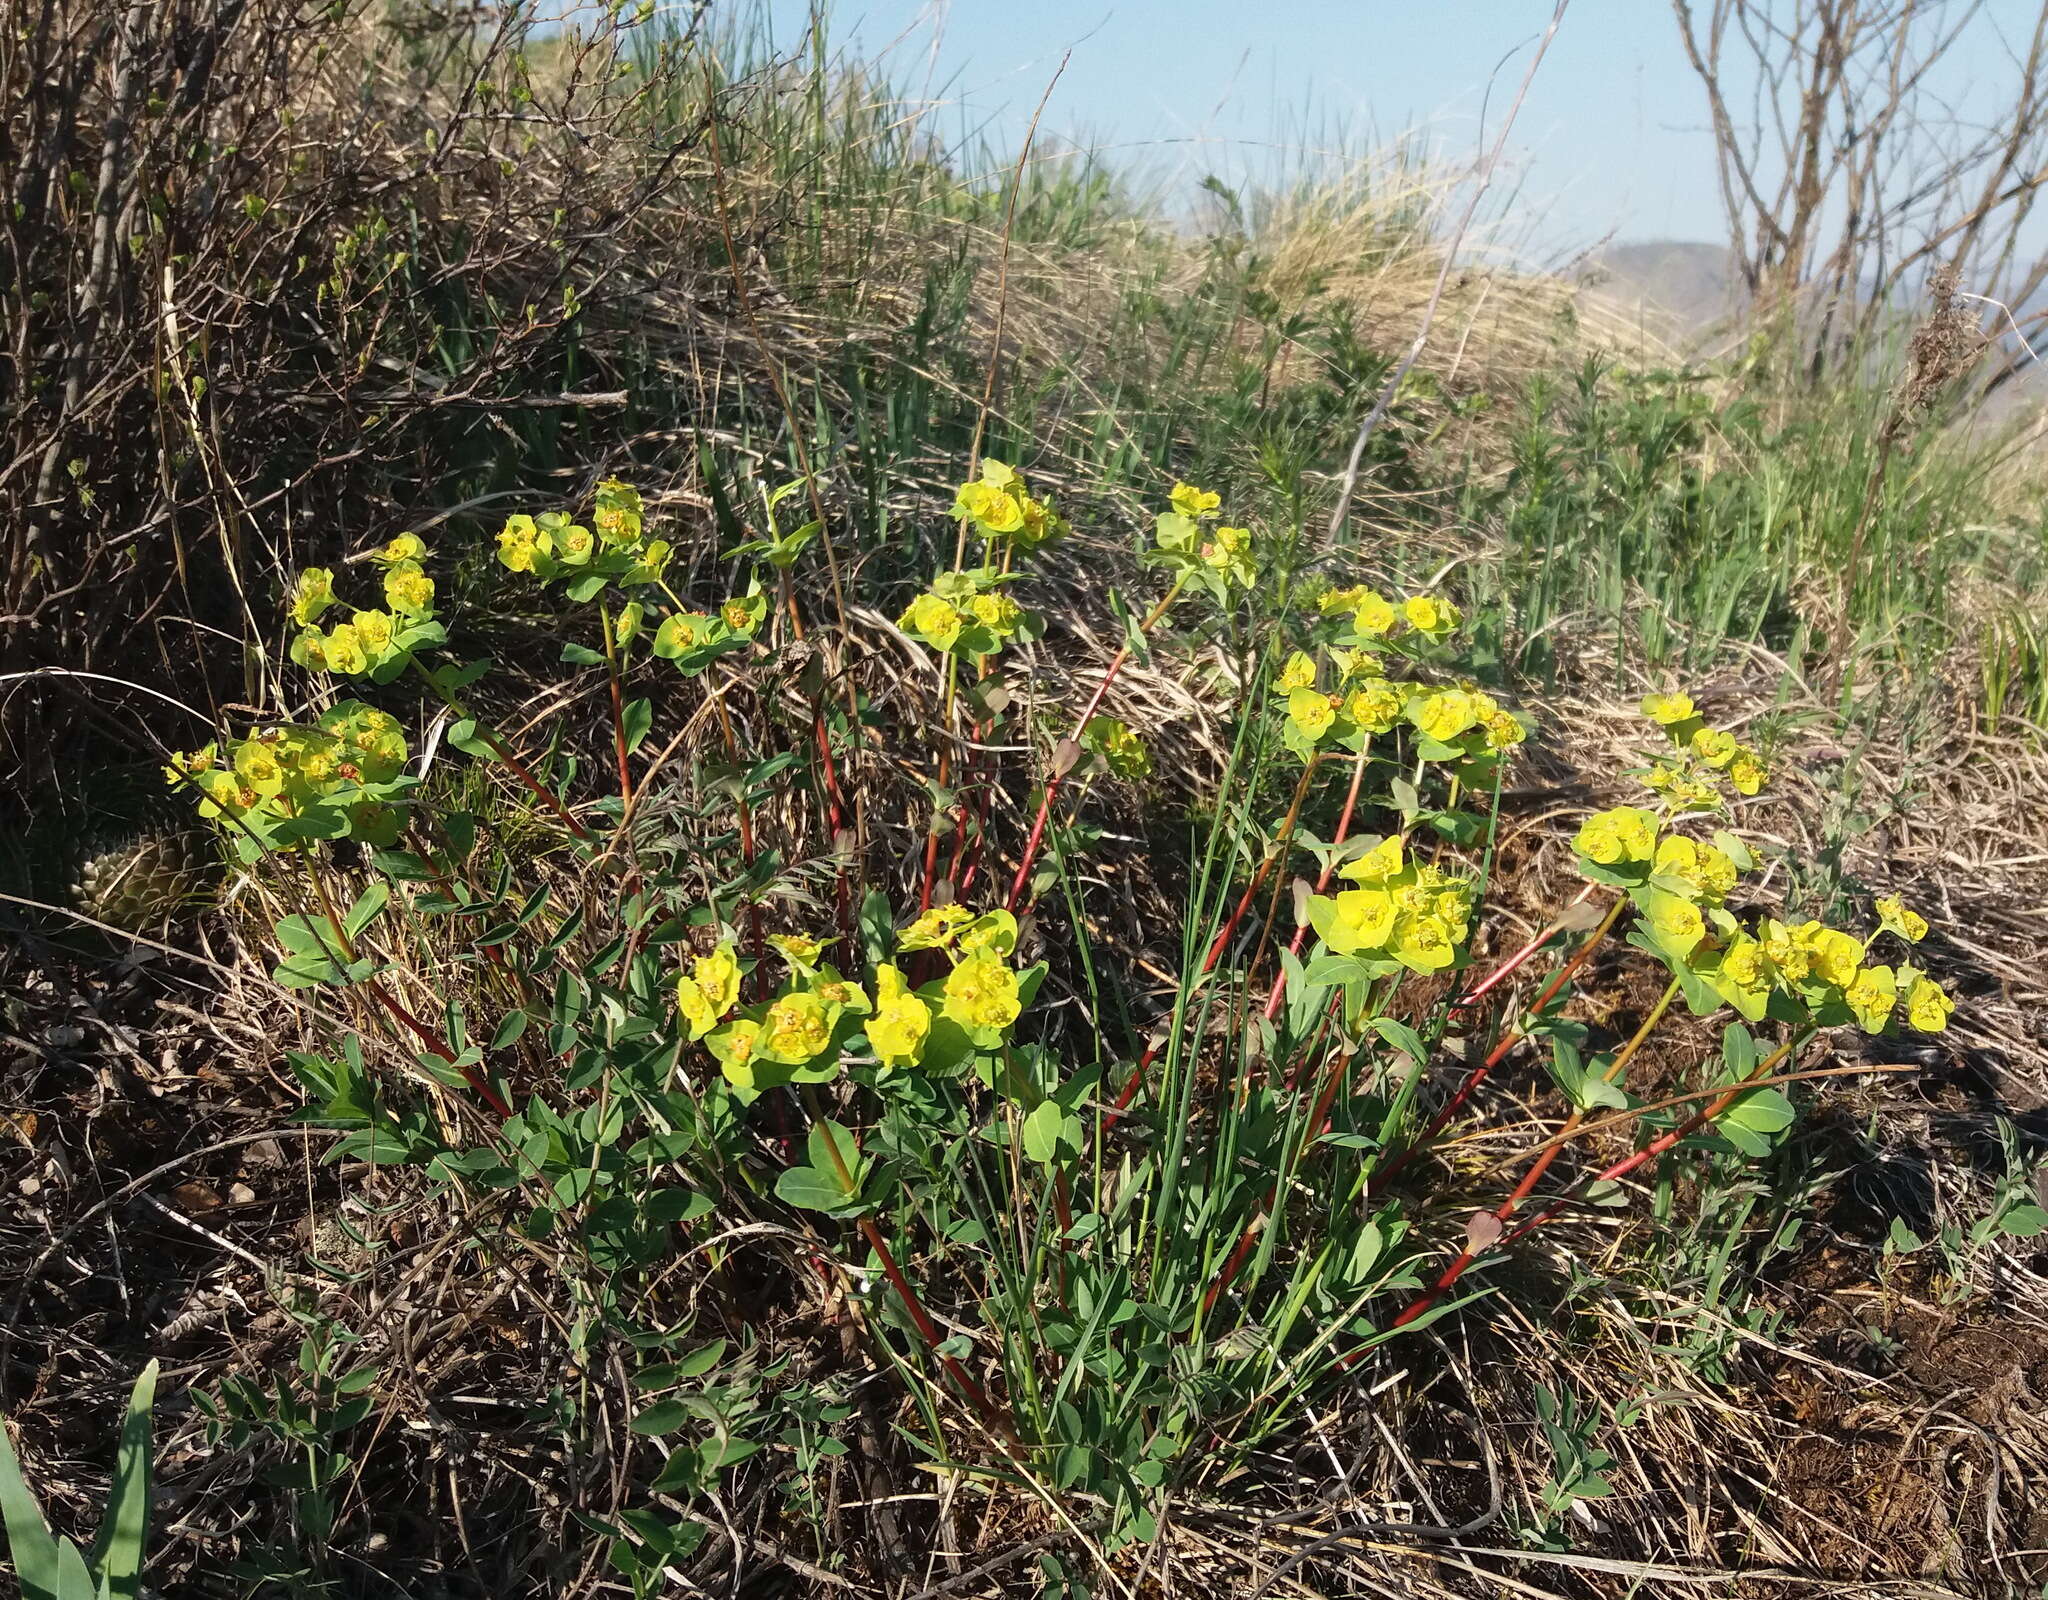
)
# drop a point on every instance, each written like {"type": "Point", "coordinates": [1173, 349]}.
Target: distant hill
{"type": "Point", "coordinates": [1685, 286]}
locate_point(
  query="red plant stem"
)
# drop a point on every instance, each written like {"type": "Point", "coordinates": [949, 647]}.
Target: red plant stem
{"type": "Point", "coordinates": [1507, 969]}
{"type": "Point", "coordinates": [756, 932]}
{"type": "Point", "coordinates": [433, 1043]}
{"type": "Point", "coordinates": [1279, 989]}
{"type": "Point", "coordinates": [611, 671]}
{"type": "Point", "coordinates": [1216, 948]}
{"type": "Point", "coordinates": [928, 1331]}
{"type": "Point", "coordinates": [1479, 1074]}
{"type": "Point", "coordinates": [1615, 1068]}
{"type": "Point", "coordinates": [1281, 841]}
{"type": "Point", "coordinates": [1318, 1117]}
{"type": "Point", "coordinates": [503, 752]}
{"type": "Point", "coordinates": [1655, 1148]}
{"type": "Point", "coordinates": [1036, 841]}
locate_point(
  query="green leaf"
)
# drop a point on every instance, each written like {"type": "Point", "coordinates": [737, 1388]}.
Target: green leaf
{"type": "Point", "coordinates": [664, 1416]}
{"type": "Point", "coordinates": [124, 1530]}
{"type": "Point", "coordinates": [638, 718]}
{"type": "Point", "coordinates": [468, 738]}
{"type": "Point", "coordinates": [808, 1189]}
{"type": "Point", "coordinates": [581, 655]}
{"type": "Point", "coordinates": [701, 1360]}
{"type": "Point", "coordinates": [2024, 1222]}
{"type": "Point", "coordinates": [1401, 1037]}
{"type": "Point", "coordinates": [364, 911]}
{"type": "Point", "coordinates": [1049, 1129]}
{"type": "Point", "coordinates": [826, 1137]}
{"type": "Point", "coordinates": [29, 1541]}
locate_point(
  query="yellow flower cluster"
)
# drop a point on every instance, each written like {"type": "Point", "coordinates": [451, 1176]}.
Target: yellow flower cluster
{"type": "Point", "coordinates": [792, 1038]}
{"type": "Point", "coordinates": [351, 759]}
{"type": "Point", "coordinates": [1405, 911]}
{"type": "Point", "coordinates": [709, 990]}
{"type": "Point", "coordinates": [964, 613]}
{"type": "Point", "coordinates": [1463, 717]}
{"type": "Point", "coordinates": [1374, 616]}
{"type": "Point", "coordinates": [798, 1035]}
{"type": "Point", "coordinates": [1218, 559]}
{"type": "Point", "coordinates": [901, 1023]}
{"type": "Point", "coordinates": [693, 639]}
{"type": "Point", "coordinates": [554, 545]}
{"type": "Point", "coordinates": [1680, 886]}
{"type": "Point", "coordinates": [999, 504]}
{"type": "Point", "coordinates": [1703, 758]}
{"type": "Point", "coordinates": [375, 643]}
{"type": "Point", "coordinates": [1823, 972]}
{"type": "Point", "coordinates": [1121, 750]}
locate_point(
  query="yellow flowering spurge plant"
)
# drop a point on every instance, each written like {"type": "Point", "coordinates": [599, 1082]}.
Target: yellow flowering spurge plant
{"type": "Point", "coordinates": [967, 614]}
{"type": "Point", "coordinates": [1802, 974]}
{"type": "Point", "coordinates": [379, 642]}
{"type": "Point", "coordinates": [1003, 509]}
{"type": "Point", "coordinates": [1114, 1210]}
{"type": "Point", "coordinates": [285, 786]}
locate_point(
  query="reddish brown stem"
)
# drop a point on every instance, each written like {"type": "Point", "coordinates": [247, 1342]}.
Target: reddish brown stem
{"type": "Point", "coordinates": [1621, 1169]}
{"type": "Point", "coordinates": [1479, 1074]}
{"type": "Point", "coordinates": [434, 1045]}
{"type": "Point", "coordinates": [1279, 989]}
{"type": "Point", "coordinates": [1036, 841]}
{"type": "Point", "coordinates": [1514, 963]}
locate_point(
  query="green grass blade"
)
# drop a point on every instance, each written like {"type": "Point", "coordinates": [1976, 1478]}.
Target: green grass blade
{"type": "Point", "coordinates": [29, 1542]}
{"type": "Point", "coordinates": [117, 1553]}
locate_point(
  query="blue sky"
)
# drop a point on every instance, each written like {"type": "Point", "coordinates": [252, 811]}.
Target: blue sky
{"type": "Point", "coordinates": [1612, 139]}
{"type": "Point", "coordinates": [1612, 143]}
